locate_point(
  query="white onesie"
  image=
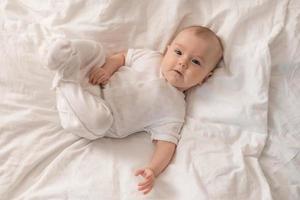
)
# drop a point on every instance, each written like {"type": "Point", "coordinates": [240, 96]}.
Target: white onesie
{"type": "Point", "coordinates": [142, 100]}
{"type": "Point", "coordinates": [136, 98]}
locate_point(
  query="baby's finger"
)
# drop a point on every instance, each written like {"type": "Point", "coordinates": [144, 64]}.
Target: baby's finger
{"type": "Point", "coordinates": [147, 181]}
{"type": "Point", "coordinates": [95, 72]}
{"type": "Point", "coordinates": [139, 172]}
{"type": "Point", "coordinates": [99, 71]}
{"type": "Point", "coordinates": [102, 77]}
{"type": "Point", "coordinates": [92, 72]}
{"type": "Point", "coordinates": [92, 77]}
{"type": "Point", "coordinates": [94, 80]}
{"type": "Point", "coordinates": [101, 80]}
{"type": "Point", "coordinates": [98, 82]}
{"type": "Point", "coordinates": [97, 77]}
{"type": "Point", "coordinates": [147, 190]}
{"type": "Point", "coordinates": [105, 82]}
{"type": "Point", "coordinates": [91, 80]}
{"type": "Point", "coordinates": [143, 187]}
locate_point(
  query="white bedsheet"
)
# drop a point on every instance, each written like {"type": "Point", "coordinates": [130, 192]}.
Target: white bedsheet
{"type": "Point", "coordinates": [227, 123]}
{"type": "Point", "coordinates": [280, 159]}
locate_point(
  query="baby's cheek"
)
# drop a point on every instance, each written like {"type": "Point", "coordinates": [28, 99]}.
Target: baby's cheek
{"type": "Point", "coordinates": [194, 78]}
{"type": "Point", "coordinates": [169, 60]}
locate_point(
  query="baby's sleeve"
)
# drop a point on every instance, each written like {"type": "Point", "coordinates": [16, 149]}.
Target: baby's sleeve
{"type": "Point", "coordinates": [169, 132]}
{"type": "Point", "coordinates": [134, 55]}
{"type": "Point", "coordinates": [129, 55]}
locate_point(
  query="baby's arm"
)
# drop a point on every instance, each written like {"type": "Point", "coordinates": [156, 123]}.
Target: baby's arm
{"type": "Point", "coordinates": [161, 158]}
{"type": "Point", "coordinates": [101, 74]}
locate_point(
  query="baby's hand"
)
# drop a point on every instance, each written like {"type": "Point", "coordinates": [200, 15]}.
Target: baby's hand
{"type": "Point", "coordinates": [99, 75]}
{"type": "Point", "coordinates": [149, 178]}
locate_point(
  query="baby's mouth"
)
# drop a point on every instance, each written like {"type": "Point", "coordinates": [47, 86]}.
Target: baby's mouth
{"type": "Point", "coordinates": [178, 72]}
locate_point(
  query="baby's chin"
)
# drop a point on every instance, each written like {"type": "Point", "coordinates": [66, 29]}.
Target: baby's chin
{"type": "Point", "coordinates": [174, 82]}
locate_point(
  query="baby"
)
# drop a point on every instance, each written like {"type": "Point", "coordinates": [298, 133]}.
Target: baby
{"type": "Point", "coordinates": [141, 90]}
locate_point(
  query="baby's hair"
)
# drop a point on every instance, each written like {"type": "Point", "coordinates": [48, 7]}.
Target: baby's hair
{"type": "Point", "coordinates": [204, 31]}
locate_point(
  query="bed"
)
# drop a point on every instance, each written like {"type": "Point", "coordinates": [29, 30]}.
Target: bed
{"type": "Point", "coordinates": [241, 139]}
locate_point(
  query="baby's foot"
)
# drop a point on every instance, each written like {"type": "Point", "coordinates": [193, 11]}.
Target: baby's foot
{"type": "Point", "coordinates": [63, 59]}
{"type": "Point", "coordinates": [58, 53]}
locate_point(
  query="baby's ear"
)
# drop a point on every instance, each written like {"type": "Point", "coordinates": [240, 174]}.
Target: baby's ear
{"type": "Point", "coordinates": [209, 75]}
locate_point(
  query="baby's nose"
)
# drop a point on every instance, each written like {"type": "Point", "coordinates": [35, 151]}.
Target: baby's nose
{"type": "Point", "coordinates": [183, 62]}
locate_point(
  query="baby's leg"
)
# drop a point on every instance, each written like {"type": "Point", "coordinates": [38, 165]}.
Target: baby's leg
{"type": "Point", "coordinates": [81, 112]}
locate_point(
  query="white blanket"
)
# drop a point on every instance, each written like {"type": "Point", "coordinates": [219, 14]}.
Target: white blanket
{"type": "Point", "coordinates": [226, 127]}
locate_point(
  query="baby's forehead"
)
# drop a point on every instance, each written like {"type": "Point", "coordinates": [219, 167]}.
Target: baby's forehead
{"type": "Point", "coordinates": [211, 39]}
{"type": "Point", "coordinates": [206, 36]}
{"type": "Point", "coordinates": [201, 41]}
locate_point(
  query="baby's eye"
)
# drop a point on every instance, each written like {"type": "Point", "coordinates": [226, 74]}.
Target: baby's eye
{"type": "Point", "coordinates": [178, 52]}
{"type": "Point", "coordinates": [194, 61]}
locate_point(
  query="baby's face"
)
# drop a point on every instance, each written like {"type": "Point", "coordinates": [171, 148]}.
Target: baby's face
{"type": "Point", "coordinates": [189, 60]}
